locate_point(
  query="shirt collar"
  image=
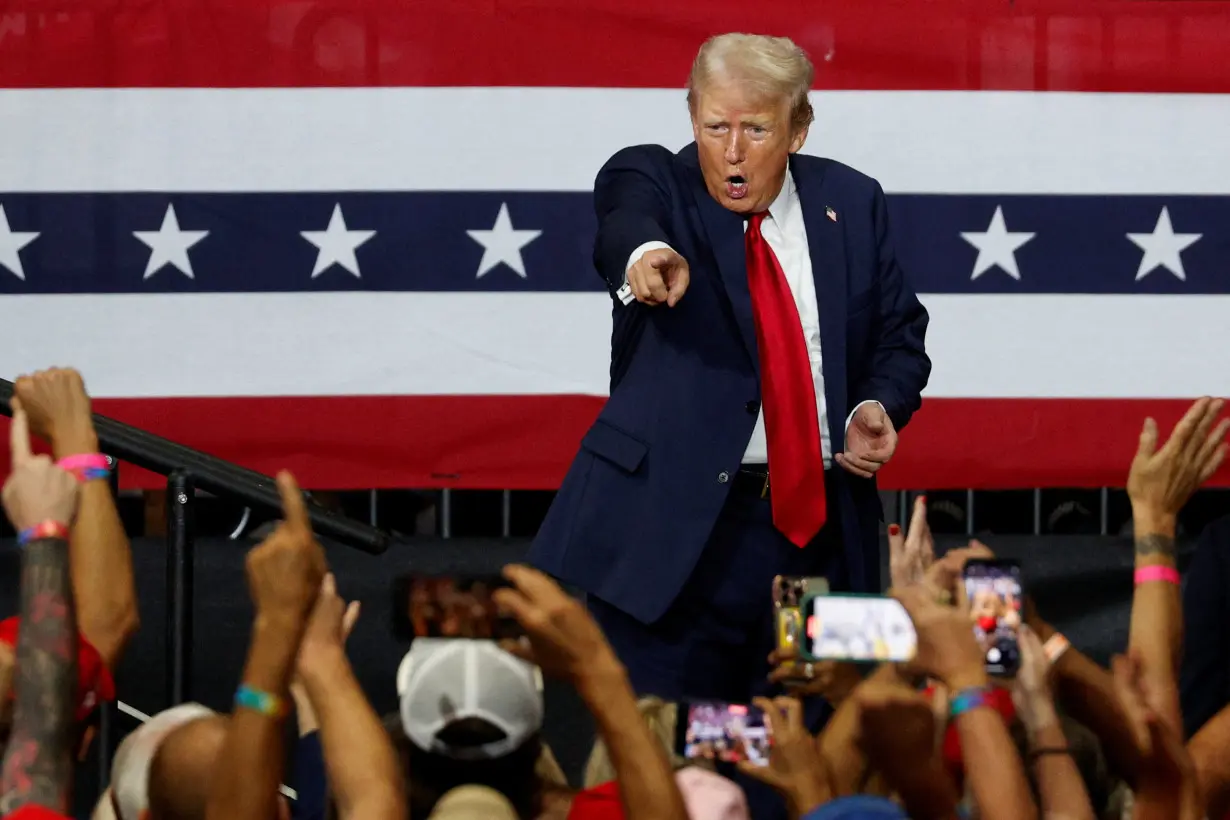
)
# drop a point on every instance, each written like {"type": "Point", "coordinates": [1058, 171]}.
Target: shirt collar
{"type": "Point", "coordinates": [783, 206]}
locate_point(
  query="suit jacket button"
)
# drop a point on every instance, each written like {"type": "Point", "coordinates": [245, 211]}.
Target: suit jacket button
{"type": "Point", "coordinates": [752, 407]}
{"type": "Point", "coordinates": [723, 477]}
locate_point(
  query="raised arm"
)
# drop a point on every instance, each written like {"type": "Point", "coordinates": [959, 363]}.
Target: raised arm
{"type": "Point", "coordinates": [632, 207]}
{"type": "Point", "coordinates": [565, 641]}
{"type": "Point", "coordinates": [101, 559]}
{"type": "Point", "coordinates": [284, 577]}
{"type": "Point", "coordinates": [359, 756]}
{"type": "Point", "coordinates": [41, 501]}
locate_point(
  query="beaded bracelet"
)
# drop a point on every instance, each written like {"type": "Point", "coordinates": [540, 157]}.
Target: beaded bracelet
{"type": "Point", "coordinates": [257, 700]}
{"type": "Point", "coordinates": [86, 466]}
{"type": "Point", "coordinates": [41, 530]}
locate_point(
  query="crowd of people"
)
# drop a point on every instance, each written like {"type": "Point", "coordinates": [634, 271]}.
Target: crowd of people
{"type": "Point", "coordinates": [935, 737]}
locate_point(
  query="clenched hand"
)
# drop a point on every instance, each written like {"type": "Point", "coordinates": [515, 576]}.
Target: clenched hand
{"type": "Point", "coordinates": [871, 440]}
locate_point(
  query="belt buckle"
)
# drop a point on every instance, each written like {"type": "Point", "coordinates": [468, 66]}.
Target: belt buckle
{"type": "Point", "coordinates": [764, 491]}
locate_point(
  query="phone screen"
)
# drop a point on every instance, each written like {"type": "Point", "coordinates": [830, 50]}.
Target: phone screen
{"type": "Point", "coordinates": [860, 628]}
{"type": "Point", "coordinates": [450, 606]}
{"type": "Point", "coordinates": [994, 591]}
{"type": "Point", "coordinates": [729, 732]}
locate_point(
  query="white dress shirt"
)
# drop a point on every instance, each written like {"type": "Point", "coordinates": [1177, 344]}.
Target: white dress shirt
{"type": "Point", "coordinates": [786, 233]}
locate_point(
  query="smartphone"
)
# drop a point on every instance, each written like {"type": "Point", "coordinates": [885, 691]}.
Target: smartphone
{"type": "Point", "coordinates": [856, 628]}
{"type": "Point", "coordinates": [727, 732]}
{"type": "Point", "coordinates": [449, 606]}
{"type": "Point", "coordinates": [788, 594]}
{"type": "Point", "coordinates": [995, 594]}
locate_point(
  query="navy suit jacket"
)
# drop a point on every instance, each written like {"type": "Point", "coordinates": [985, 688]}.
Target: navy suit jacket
{"type": "Point", "coordinates": [636, 508]}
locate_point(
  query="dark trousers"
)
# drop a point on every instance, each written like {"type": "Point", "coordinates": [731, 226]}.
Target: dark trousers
{"type": "Point", "coordinates": [714, 641]}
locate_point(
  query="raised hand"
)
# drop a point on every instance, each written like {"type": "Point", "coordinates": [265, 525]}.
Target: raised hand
{"type": "Point", "coordinates": [912, 552]}
{"type": "Point", "coordinates": [871, 441]}
{"type": "Point", "coordinates": [1031, 689]}
{"type": "Point", "coordinates": [330, 624]}
{"type": "Point", "coordinates": [286, 569]}
{"type": "Point", "coordinates": [1161, 481]}
{"type": "Point", "coordinates": [943, 577]}
{"type": "Point", "coordinates": [796, 768]}
{"type": "Point", "coordinates": [660, 275]}
{"type": "Point", "coordinates": [947, 649]}
{"type": "Point", "coordinates": [59, 410]}
{"type": "Point", "coordinates": [830, 679]}
{"type": "Point", "coordinates": [562, 637]}
{"type": "Point", "coordinates": [36, 489]}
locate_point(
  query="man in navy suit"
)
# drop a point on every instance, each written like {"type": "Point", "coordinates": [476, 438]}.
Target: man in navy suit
{"type": "Point", "coordinates": [766, 349]}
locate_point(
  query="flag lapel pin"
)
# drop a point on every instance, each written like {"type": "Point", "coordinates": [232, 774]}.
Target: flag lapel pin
{"type": "Point", "coordinates": [830, 213]}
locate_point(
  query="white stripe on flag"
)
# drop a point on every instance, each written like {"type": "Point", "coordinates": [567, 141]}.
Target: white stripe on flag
{"type": "Point", "coordinates": [340, 344]}
{"type": "Point", "coordinates": [553, 139]}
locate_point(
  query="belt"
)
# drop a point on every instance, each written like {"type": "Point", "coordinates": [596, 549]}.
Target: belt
{"type": "Point", "coordinates": [752, 479]}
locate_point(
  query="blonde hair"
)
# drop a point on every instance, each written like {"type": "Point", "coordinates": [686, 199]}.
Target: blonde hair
{"type": "Point", "coordinates": [660, 717]}
{"type": "Point", "coordinates": [773, 67]}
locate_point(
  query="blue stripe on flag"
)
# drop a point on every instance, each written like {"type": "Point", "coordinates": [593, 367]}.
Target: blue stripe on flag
{"type": "Point", "coordinates": [86, 242]}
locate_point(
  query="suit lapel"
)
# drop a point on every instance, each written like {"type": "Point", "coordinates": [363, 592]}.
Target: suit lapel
{"type": "Point", "coordinates": [826, 245]}
{"type": "Point", "coordinates": [725, 232]}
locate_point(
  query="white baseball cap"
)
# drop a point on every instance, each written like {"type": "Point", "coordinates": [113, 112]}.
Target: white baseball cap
{"type": "Point", "coordinates": [131, 765]}
{"type": "Point", "coordinates": [445, 680]}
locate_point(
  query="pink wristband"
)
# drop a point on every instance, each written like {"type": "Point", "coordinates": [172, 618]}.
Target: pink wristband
{"type": "Point", "coordinates": [1157, 572]}
{"type": "Point", "coordinates": [86, 466]}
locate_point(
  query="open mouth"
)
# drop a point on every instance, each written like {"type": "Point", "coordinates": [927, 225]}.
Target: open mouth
{"type": "Point", "coordinates": [736, 186]}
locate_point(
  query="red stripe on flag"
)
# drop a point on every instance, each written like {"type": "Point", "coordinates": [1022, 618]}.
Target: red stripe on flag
{"type": "Point", "coordinates": [527, 442]}
{"type": "Point", "coordinates": [1073, 45]}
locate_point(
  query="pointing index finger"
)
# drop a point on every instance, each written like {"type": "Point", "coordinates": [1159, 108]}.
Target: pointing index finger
{"type": "Point", "coordinates": [19, 434]}
{"type": "Point", "coordinates": [294, 508]}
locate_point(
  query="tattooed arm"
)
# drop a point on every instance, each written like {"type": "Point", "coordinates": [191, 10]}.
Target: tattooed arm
{"type": "Point", "coordinates": [1157, 609]}
{"type": "Point", "coordinates": [38, 764]}
{"type": "Point", "coordinates": [1160, 482]}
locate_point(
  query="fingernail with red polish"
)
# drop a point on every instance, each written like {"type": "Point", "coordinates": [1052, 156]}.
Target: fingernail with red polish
{"type": "Point", "coordinates": [894, 529]}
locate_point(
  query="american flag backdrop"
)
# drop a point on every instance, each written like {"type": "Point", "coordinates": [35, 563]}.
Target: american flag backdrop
{"type": "Point", "coordinates": [354, 238]}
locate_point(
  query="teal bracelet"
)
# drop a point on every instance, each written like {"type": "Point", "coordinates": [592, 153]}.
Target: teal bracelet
{"type": "Point", "coordinates": [267, 704]}
{"type": "Point", "coordinates": [966, 700]}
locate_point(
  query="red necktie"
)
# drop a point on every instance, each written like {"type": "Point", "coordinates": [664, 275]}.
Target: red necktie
{"type": "Point", "coordinates": [796, 466]}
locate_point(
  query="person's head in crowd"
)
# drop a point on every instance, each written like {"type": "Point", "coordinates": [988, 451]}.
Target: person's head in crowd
{"type": "Point", "coordinates": [660, 716]}
{"type": "Point", "coordinates": [162, 770]}
{"type": "Point", "coordinates": [470, 714]}
{"type": "Point", "coordinates": [473, 803]}
{"type": "Point", "coordinates": [711, 796]}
